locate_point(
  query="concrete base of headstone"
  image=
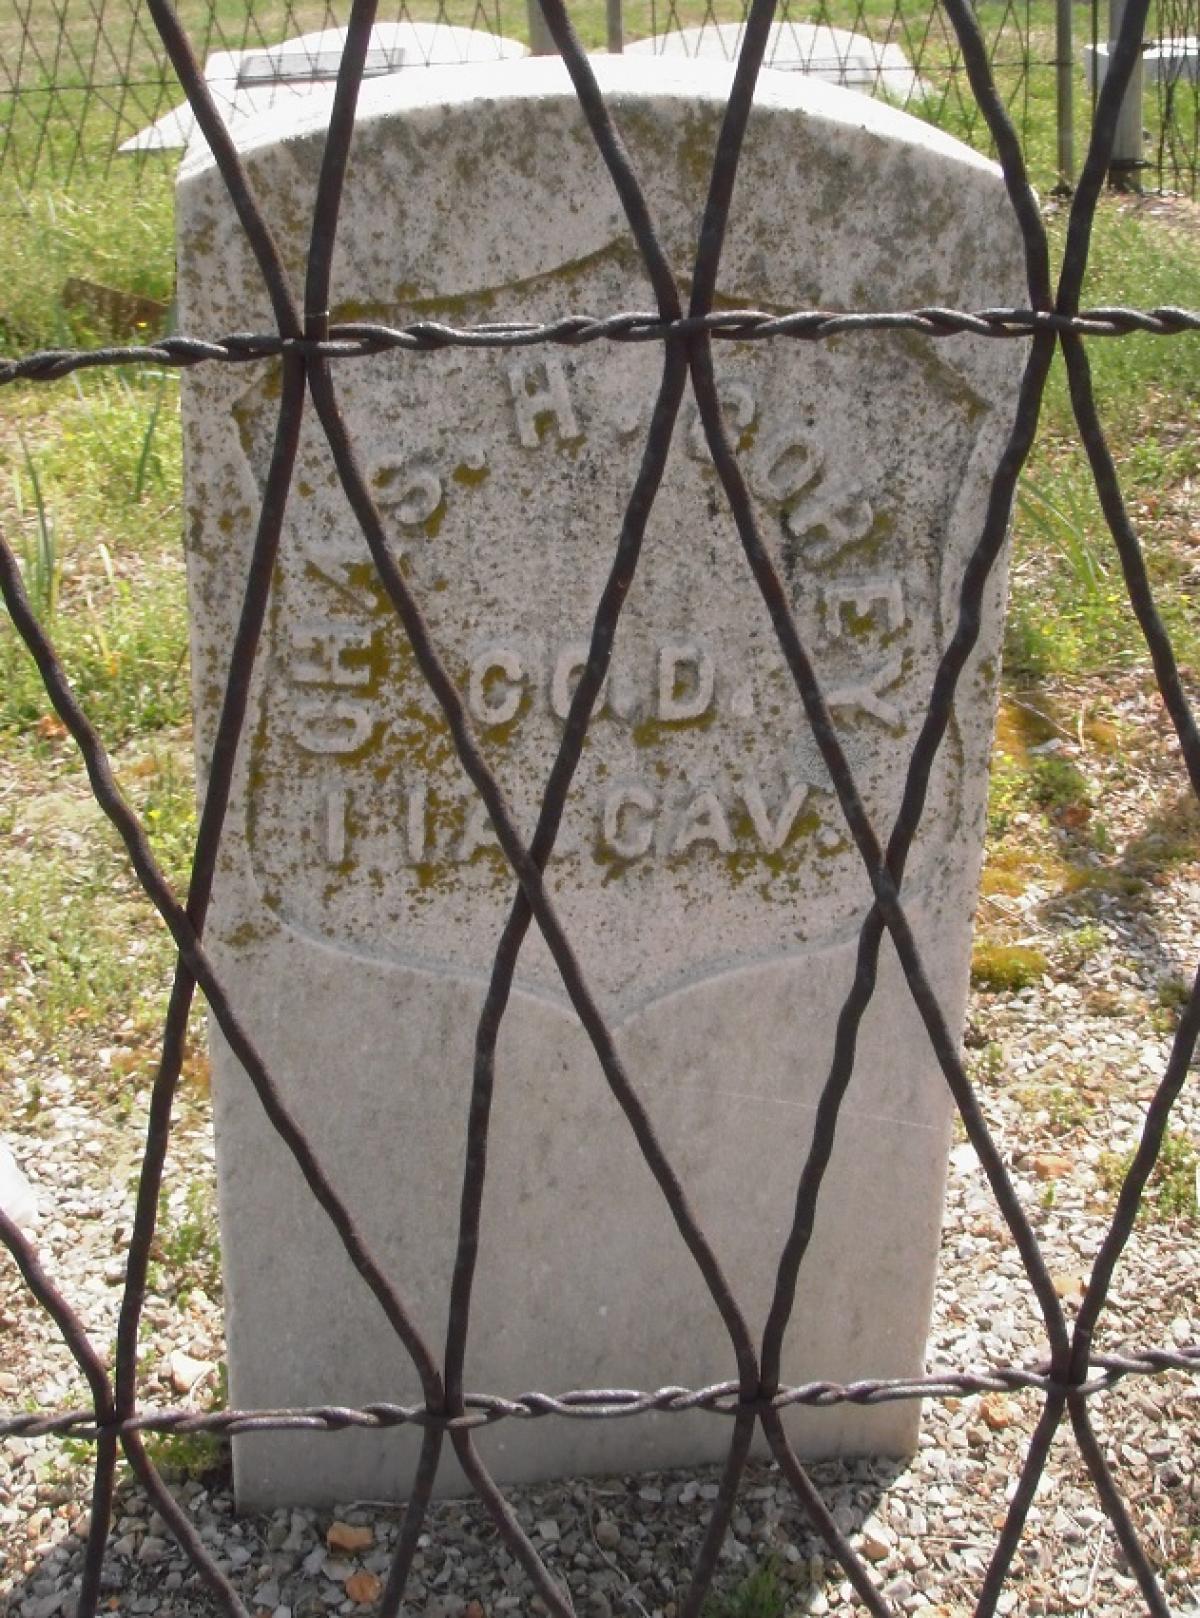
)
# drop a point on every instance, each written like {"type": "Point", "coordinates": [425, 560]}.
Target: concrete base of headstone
{"type": "Point", "coordinates": [705, 876]}
{"type": "Point", "coordinates": [835, 55]}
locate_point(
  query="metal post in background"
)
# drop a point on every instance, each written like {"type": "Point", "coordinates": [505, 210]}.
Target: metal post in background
{"type": "Point", "coordinates": [1127, 161]}
{"type": "Point", "coordinates": [1064, 54]}
{"type": "Point", "coordinates": [540, 42]}
{"type": "Point", "coordinates": [616, 28]}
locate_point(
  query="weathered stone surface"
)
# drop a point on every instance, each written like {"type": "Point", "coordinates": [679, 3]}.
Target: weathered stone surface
{"type": "Point", "coordinates": [704, 874]}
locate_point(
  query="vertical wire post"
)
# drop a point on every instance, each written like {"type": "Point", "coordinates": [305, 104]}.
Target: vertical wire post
{"type": "Point", "coordinates": [540, 41]}
{"type": "Point", "coordinates": [615, 25]}
{"type": "Point", "coordinates": [1064, 54]}
{"type": "Point", "coordinates": [1126, 163]}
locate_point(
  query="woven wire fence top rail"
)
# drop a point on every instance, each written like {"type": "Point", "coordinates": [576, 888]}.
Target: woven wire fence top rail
{"type": "Point", "coordinates": [77, 80]}
{"type": "Point", "coordinates": [1073, 1372]}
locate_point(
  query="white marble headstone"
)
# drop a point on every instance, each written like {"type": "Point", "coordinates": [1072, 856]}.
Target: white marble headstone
{"type": "Point", "coordinates": [704, 873]}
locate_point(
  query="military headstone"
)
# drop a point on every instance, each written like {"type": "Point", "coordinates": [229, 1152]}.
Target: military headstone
{"type": "Point", "coordinates": [704, 872]}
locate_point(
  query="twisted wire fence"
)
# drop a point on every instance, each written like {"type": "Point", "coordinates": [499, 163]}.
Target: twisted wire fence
{"type": "Point", "coordinates": [311, 349]}
{"type": "Point", "coordinates": [77, 83]}
{"type": "Point", "coordinates": [1173, 124]}
{"type": "Point", "coordinates": [82, 78]}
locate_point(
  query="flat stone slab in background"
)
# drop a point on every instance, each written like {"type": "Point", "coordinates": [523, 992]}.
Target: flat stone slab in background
{"type": "Point", "coordinates": [244, 84]}
{"type": "Point", "coordinates": [835, 55]}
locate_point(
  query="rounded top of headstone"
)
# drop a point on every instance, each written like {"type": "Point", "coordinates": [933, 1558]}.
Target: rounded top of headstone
{"type": "Point", "coordinates": [703, 831]}
{"type": "Point", "coordinates": [848, 194]}
{"type": "Point", "coordinates": [545, 78]}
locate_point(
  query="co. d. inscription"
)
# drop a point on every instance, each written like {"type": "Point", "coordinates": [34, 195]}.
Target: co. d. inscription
{"type": "Point", "coordinates": [502, 489]}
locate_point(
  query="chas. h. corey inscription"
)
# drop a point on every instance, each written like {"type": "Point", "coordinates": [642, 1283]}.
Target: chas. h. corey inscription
{"type": "Point", "coordinates": [703, 870]}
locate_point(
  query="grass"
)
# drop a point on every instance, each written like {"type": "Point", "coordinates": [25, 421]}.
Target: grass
{"type": "Point", "coordinates": [1006, 967]}
{"type": "Point", "coordinates": [203, 1456]}
{"type": "Point", "coordinates": [92, 494]}
{"type": "Point", "coordinates": [759, 1595]}
{"type": "Point", "coordinates": [1171, 1193]}
{"type": "Point", "coordinates": [187, 1252]}
{"type": "Point", "coordinates": [84, 963]}
{"type": "Point", "coordinates": [1075, 617]}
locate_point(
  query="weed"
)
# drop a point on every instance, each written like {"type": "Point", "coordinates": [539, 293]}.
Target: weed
{"type": "Point", "coordinates": [1099, 837]}
{"type": "Point", "coordinates": [1066, 1109]}
{"type": "Point", "coordinates": [1006, 794]}
{"type": "Point", "coordinates": [1066, 520]}
{"type": "Point", "coordinates": [187, 1248]}
{"type": "Point", "coordinates": [1006, 967]}
{"type": "Point", "coordinates": [193, 1455]}
{"type": "Point", "coordinates": [1100, 879]}
{"type": "Point", "coordinates": [1002, 879]}
{"type": "Point", "coordinates": [42, 572]}
{"type": "Point", "coordinates": [169, 811]}
{"type": "Point", "coordinates": [188, 1455]}
{"type": "Point", "coordinates": [1056, 784]}
{"type": "Point", "coordinates": [1174, 993]}
{"type": "Point", "coordinates": [150, 461]}
{"type": "Point", "coordinates": [79, 1452]}
{"type": "Point", "coordinates": [1171, 998]}
{"type": "Point", "coordinates": [1105, 1003]}
{"type": "Point", "coordinates": [988, 1065]}
{"type": "Point", "coordinates": [759, 1595]}
{"type": "Point", "coordinates": [1171, 1191]}
{"type": "Point", "coordinates": [1079, 946]}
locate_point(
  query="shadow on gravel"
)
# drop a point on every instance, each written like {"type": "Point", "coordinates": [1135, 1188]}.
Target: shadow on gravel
{"type": "Point", "coordinates": [622, 1545]}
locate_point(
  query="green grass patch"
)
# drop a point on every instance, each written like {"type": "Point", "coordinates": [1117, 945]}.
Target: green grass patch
{"type": "Point", "coordinates": [760, 1594]}
{"type": "Point", "coordinates": [1069, 612]}
{"type": "Point", "coordinates": [1171, 1190]}
{"type": "Point", "coordinates": [84, 962]}
{"type": "Point", "coordinates": [118, 232]}
{"type": "Point", "coordinates": [1059, 1108]}
{"type": "Point", "coordinates": [1005, 968]}
{"type": "Point", "coordinates": [90, 491]}
{"type": "Point", "coordinates": [186, 1253]}
{"type": "Point", "coordinates": [203, 1456]}
{"type": "Point", "coordinates": [1057, 784]}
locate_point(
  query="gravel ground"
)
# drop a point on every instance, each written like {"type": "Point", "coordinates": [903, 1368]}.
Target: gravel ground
{"type": "Point", "coordinates": [1065, 1068]}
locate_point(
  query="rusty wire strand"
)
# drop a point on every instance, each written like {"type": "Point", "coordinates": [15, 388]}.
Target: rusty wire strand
{"type": "Point", "coordinates": [364, 339]}
{"type": "Point", "coordinates": [713, 228]}
{"type": "Point", "coordinates": [1104, 1372]}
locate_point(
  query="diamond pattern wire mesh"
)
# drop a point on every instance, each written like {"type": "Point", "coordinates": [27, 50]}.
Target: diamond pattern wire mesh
{"type": "Point", "coordinates": [107, 74]}
{"type": "Point", "coordinates": [1072, 1373]}
{"type": "Point", "coordinates": [66, 106]}
{"type": "Point", "coordinates": [1175, 128]}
